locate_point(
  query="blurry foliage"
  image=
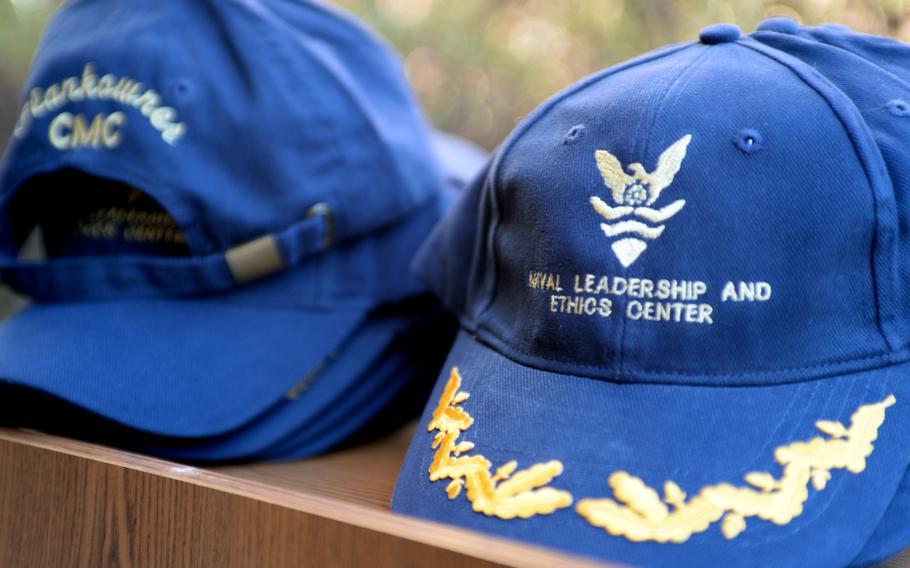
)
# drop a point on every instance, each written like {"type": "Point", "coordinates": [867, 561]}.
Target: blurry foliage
{"type": "Point", "coordinates": [21, 22]}
{"type": "Point", "coordinates": [480, 65]}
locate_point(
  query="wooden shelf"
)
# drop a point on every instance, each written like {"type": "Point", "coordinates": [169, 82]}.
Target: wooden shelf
{"type": "Point", "coordinates": [70, 503]}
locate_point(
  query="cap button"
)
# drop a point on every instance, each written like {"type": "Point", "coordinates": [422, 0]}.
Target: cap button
{"type": "Point", "coordinates": [779, 25]}
{"type": "Point", "coordinates": [719, 33]}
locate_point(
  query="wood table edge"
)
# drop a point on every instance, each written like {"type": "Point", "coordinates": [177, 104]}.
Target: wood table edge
{"type": "Point", "coordinates": [461, 541]}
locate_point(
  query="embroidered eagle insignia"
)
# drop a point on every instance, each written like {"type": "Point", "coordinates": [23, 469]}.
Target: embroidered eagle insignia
{"type": "Point", "coordinates": [633, 194]}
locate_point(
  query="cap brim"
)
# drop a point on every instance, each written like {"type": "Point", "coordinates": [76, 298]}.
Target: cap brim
{"type": "Point", "coordinates": [460, 159]}
{"type": "Point", "coordinates": [893, 531]}
{"type": "Point", "coordinates": [723, 449]}
{"type": "Point", "coordinates": [350, 413]}
{"type": "Point", "coordinates": [354, 368]}
{"type": "Point", "coordinates": [185, 368]}
{"type": "Point", "coordinates": [397, 384]}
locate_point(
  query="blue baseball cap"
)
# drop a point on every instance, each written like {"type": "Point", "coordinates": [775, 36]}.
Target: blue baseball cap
{"type": "Point", "coordinates": [890, 54]}
{"type": "Point", "coordinates": [873, 71]}
{"type": "Point", "coordinates": [223, 197]}
{"type": "Point", "coordinates": [394, 394]}
{"type": "Point", "coordinates": [683, 336]}
{"type": "Point", "coordinates": [371, 364]}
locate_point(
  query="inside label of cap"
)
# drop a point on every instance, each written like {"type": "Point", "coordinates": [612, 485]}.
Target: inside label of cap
{"type": "Point", "coordinates": [80, 215]}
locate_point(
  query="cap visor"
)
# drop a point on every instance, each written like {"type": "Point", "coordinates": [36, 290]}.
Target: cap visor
{"type": "Point", "coordinates": [187, 368]}
{"type": "Point", "coordinates": [732, 502]}
{"type": "Point", "coordinates": [460, 159]}
{"type": "Point", "coordinates": [398, 384]}
{"type": "Point", "coordinates": [310, 400]}
{"type": "Point", "coordinates": [351, 412]}
{"type": "Point", "coordinates": [893, 531]}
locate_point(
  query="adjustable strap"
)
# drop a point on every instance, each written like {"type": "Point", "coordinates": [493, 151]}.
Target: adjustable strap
{"type": "Point", "coordinates": [112, 277]}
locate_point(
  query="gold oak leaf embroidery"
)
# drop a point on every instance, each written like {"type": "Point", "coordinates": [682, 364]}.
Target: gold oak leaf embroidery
{"type": "Point", "coordinates": [506, 493]}
{"type": "Point", "coordinates": [639, 513]}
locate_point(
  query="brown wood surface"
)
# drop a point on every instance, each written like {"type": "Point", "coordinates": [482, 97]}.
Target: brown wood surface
{"type": "Point", "coordinates": [902, 560]}
{"type": "Point", "coordinates": [68, 503]}
{"type": "Point", "coordinates": [365, 475]}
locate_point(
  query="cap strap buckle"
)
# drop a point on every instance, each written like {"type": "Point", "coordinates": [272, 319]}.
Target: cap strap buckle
{"type": "Point", "coordinates": [113, 277]}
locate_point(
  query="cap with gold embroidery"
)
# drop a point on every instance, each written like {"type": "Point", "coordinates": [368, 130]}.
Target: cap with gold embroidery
{"type": "Point", "coordinates": [684, 340]}
{"type": "Point", "coordinates": [229, 194]}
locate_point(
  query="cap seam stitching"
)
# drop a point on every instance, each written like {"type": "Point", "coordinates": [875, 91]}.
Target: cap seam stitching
{"type": "Point", "coordinates": [892, 358]}
{"type": "Point", "coordinates": [699, 60]}
{"type": "Point", "coordinates": [537, 115]}
{"type": "Point", "coordinates": [853, 55]}
{"type": "Point", "coordinates": [290, 63]}
{"type": "Point", "coordinates": [366, 116]}
{"type": "Point", "coordinates": [861, 158]}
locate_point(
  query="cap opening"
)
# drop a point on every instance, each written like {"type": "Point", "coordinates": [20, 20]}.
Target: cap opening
{"type": "Point", "coordinates": [69, 213]}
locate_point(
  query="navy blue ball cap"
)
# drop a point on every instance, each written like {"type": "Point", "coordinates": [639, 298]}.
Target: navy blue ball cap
{"type": "Point", "coordinates": [389, 395]}
{"type": "Point", "coordinates": [203, 366]}
{"type": "Point", "coordinates": [368, 369]}
{"type": "Point", "coordinates": [889, 53]}
{"type": "Point", "coordinates": [225, 191]}
{"type": "Point", "coordinates": [683, 344]}
{"type": "Point", "coordinates": [874, 73]}
{"type": "Point", "coordinates": [268, 144]}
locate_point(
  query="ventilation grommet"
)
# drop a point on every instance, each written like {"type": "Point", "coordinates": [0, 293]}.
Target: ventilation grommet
{"type": "Point", "coordinates": [574, 134]}
{"type": "Point", "coordinates": [748, 140]}
{"type": "Point", "coordinates": [899, 108]}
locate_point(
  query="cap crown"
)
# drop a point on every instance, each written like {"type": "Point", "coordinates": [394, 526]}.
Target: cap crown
{"type": "Point", "coordinates": [705, 214]}
{"type": "Point", "coordinates": [232, 115]}
{"type": "Point", "coordinates": [869, 71]}
{"type": "Point", "coordinates": [891, 54]}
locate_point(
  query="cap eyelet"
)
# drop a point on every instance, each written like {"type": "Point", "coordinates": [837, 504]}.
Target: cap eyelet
{"type": "Point", "coordinates": [748, 140]}
{"type": "Point", "coordinates": [899, 108]}
{"type": "Point", "coordinates": [182, 88]}
{"type": "Point", "coordinates": [574, 134]}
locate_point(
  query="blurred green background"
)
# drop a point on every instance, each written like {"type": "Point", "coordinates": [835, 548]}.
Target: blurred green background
{"type": "Point", "coordinates": [478, 66]}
